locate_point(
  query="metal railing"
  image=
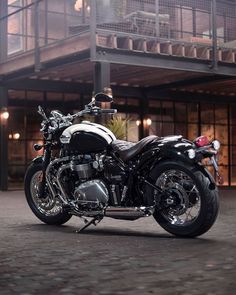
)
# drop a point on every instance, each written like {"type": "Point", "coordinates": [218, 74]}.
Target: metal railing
{"type": "Point", "coordinates": [43, 22]}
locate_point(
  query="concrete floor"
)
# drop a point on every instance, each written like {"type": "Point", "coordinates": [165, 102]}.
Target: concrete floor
{"type": "Point", "coordinates": [116, 257]}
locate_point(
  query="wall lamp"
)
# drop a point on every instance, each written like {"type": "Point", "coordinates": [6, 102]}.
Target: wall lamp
{"type": "Point", "coordinates": [14, 136]}
{"type": "Point", "coordinates": [4, 114]}
{"type": "Point", "coordinates": [146, 122]}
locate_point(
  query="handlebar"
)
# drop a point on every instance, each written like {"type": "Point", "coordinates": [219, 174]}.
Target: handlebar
{"type": "Point", "coordinates": [109, 111]}
{"type": "Point", "coordinates": [57, 120]}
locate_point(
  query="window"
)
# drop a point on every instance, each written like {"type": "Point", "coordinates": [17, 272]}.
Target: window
{"type": "Point", "coordinates": [15, 27]}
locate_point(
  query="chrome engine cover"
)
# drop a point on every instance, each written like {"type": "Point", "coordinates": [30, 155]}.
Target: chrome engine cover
{"type": "Point", "coordinates": [92, 192]}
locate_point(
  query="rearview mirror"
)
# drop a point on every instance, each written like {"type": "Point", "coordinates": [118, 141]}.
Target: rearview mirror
{"type": "Point", "coordinates": [102, 97]}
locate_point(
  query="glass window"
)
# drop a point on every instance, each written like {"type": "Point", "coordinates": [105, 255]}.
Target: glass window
{"type": "Point", "coordinates": [223, 155]}
{"type": "Point", "coordinates": [167, 129]}
{"type": "Point", "coordinates": [167, 111]}
{"type": "Point", "coordinates": [221, 133]}
{"type": "Point", "coordinates": [192, 131]}
{"type": "Point", "coordinates": [224, 171]}
{"type": "Point", "coordinates": [221, 114]}
{"type": "Point", "coordinates": [154, 104]}
{"type": "Point", "coordinates": [119, 101]}
{"type": "Point", "coordinates": [132, 128]}
{"type": "Point", "coordinates": [181, 129]}
{"type": "Point", "coordinates": [208, 130]}
{"type": "Point", "coordinates": [180, 112]}
{"type": "Point", "coordinates": [233, 175]}
{"type": "Point", "coordinates": [132, 101]}
{"type": "Point", "coordinates": [15, 27]}
{"type": "Point", "coordinates": [233, 134]}
{"type": "Point", "coordinates": [193, 112]}
{"type": "Point", "coordinates": [72, 97]}
{"type": "Point", "coordinates": [233, 154]}
{"type": "Point", "coordinates": [207, 113]}
{"type": "Point", "coordinates": [232, 114]}
{"type": "Point", "coordinates": [35, 95]}
{"type": "Point", "coordinates": [54, 96]}
{"type": "Point", "coordinates": [16, 94]}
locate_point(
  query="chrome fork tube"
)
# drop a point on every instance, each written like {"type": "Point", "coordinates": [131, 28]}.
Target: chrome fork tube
{"type": "Point", "coordinates": [64, 196]}
{"type": "Point", "coordinates": [48, 179]}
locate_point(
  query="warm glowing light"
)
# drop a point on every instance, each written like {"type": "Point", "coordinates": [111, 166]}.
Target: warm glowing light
{"type": "Point", "coordinates": [10, 136]}
{"type": "Point", "coordinates": [149, 122]}
{"type": "Point", "coordinates": [16, 135]}
{"type": "Point", "coordinates": [5, 115]}
{"type": "Point", "coordinates": [138, 122]}
{"type": "Point", "coordinates": [78, 5]}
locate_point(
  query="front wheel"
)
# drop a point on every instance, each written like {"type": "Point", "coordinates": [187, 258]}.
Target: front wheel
{"type": "Point", "coordinates": [47, 209]}
{"type": "Point", "coordinates": [187, 207]}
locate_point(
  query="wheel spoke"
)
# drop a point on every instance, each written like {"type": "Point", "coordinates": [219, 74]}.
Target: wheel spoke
{"type": "Point", "coordinates": [185, 193]}
{"type": "Point", "coordinates": [47, 205]}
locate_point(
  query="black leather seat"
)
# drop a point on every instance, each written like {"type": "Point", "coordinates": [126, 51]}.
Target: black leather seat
{"type": "Point", "coordinates": [127, 150]}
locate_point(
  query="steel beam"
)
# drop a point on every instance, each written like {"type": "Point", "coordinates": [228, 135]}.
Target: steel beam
{"type": "Point", "coordinates": [47, 85]}
{"type": "Point", "coordinates": [58, 62]}
{"type": "Point", "coordinates": [141, 59]}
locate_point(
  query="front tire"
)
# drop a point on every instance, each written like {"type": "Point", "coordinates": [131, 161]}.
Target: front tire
{"type": "Point", "coordinates": [47, 209]}
{"type": "Point", "coordinates": [191, 207]}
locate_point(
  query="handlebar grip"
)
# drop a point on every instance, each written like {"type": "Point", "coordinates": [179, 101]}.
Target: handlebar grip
{"type": "Point", "coordinates": [109, 111]}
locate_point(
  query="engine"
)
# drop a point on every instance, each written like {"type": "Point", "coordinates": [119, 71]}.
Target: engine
{"type": "Point", "coordinates": [89, 191]}
{"type": "Point", "coordinates": [90, 182]}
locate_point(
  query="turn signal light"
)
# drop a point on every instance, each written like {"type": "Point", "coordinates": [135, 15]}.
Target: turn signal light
{"type": "Point", "coordinates": [201, 141]}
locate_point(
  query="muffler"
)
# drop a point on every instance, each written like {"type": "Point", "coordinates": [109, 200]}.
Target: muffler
{"type": "Point", "coordinates": [128, 213]}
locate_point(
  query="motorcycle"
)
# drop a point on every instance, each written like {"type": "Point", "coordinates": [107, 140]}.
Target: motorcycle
{"type": "Point", "coordinates": [86, 172]}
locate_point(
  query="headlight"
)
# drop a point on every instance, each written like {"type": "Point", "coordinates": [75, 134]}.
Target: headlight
{"type": "Point", "coordinates": [216, 144]}
{"type": "Point", "coordinates": [191, 154]}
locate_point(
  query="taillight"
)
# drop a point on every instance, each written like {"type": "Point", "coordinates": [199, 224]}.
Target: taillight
{"type": "Point", "coordinates": [201, 141]}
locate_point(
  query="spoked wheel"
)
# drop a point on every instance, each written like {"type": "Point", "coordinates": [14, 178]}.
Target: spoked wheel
{"type": "Point", "coordinates": [187, 206]}
{"type": "Point", "coordinates": [48, 209]}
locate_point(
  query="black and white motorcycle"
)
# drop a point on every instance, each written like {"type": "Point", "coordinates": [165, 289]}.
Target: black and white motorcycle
{"type": "Point", "coordinates": [85, 171]}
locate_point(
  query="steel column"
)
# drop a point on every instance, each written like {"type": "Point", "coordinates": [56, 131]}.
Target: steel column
{"type": "Point", "coordinates": [157, 18]}
{"type": "Point", "coordinates": [3, 140]}
{"type": "Point", "coordinates": [37, 65]}
{"type": "Point", "coordinates": [214, 35]}
{"type": "Point", "coordinates": [93, 24]}
{"type": "Point", "coordinates": [101, 76]}
{"type": "Point", "coordinates": [3, 31]}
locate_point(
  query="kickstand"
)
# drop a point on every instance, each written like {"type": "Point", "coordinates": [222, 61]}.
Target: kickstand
{"type": "Point", "coordinates": [93, 221]}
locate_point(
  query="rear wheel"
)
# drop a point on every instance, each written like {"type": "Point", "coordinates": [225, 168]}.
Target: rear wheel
{"type": "Point", "coordinates": [188, 207]}
{"type": "Point", "coordinates": [48, 209]}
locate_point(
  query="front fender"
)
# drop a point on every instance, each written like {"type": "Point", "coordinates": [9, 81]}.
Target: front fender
{"type": "Point", "coordinates": [38, 160]}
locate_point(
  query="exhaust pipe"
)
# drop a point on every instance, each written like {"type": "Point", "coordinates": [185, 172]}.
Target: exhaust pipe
{"type": "Point", "coordinates": [128, 213]}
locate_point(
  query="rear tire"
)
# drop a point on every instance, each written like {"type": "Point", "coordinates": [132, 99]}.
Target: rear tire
{"type": "Point", "coordinates": [47, 209]}
{"type": "Point", "coordinates": [195, 206]}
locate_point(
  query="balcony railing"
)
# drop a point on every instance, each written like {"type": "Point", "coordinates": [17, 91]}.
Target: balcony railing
{"type": "Point", "coordinates": [204, 29]}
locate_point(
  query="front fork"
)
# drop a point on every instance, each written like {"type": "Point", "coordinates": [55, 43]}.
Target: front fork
{"type": "Point", "coordinates": [46, 161]}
